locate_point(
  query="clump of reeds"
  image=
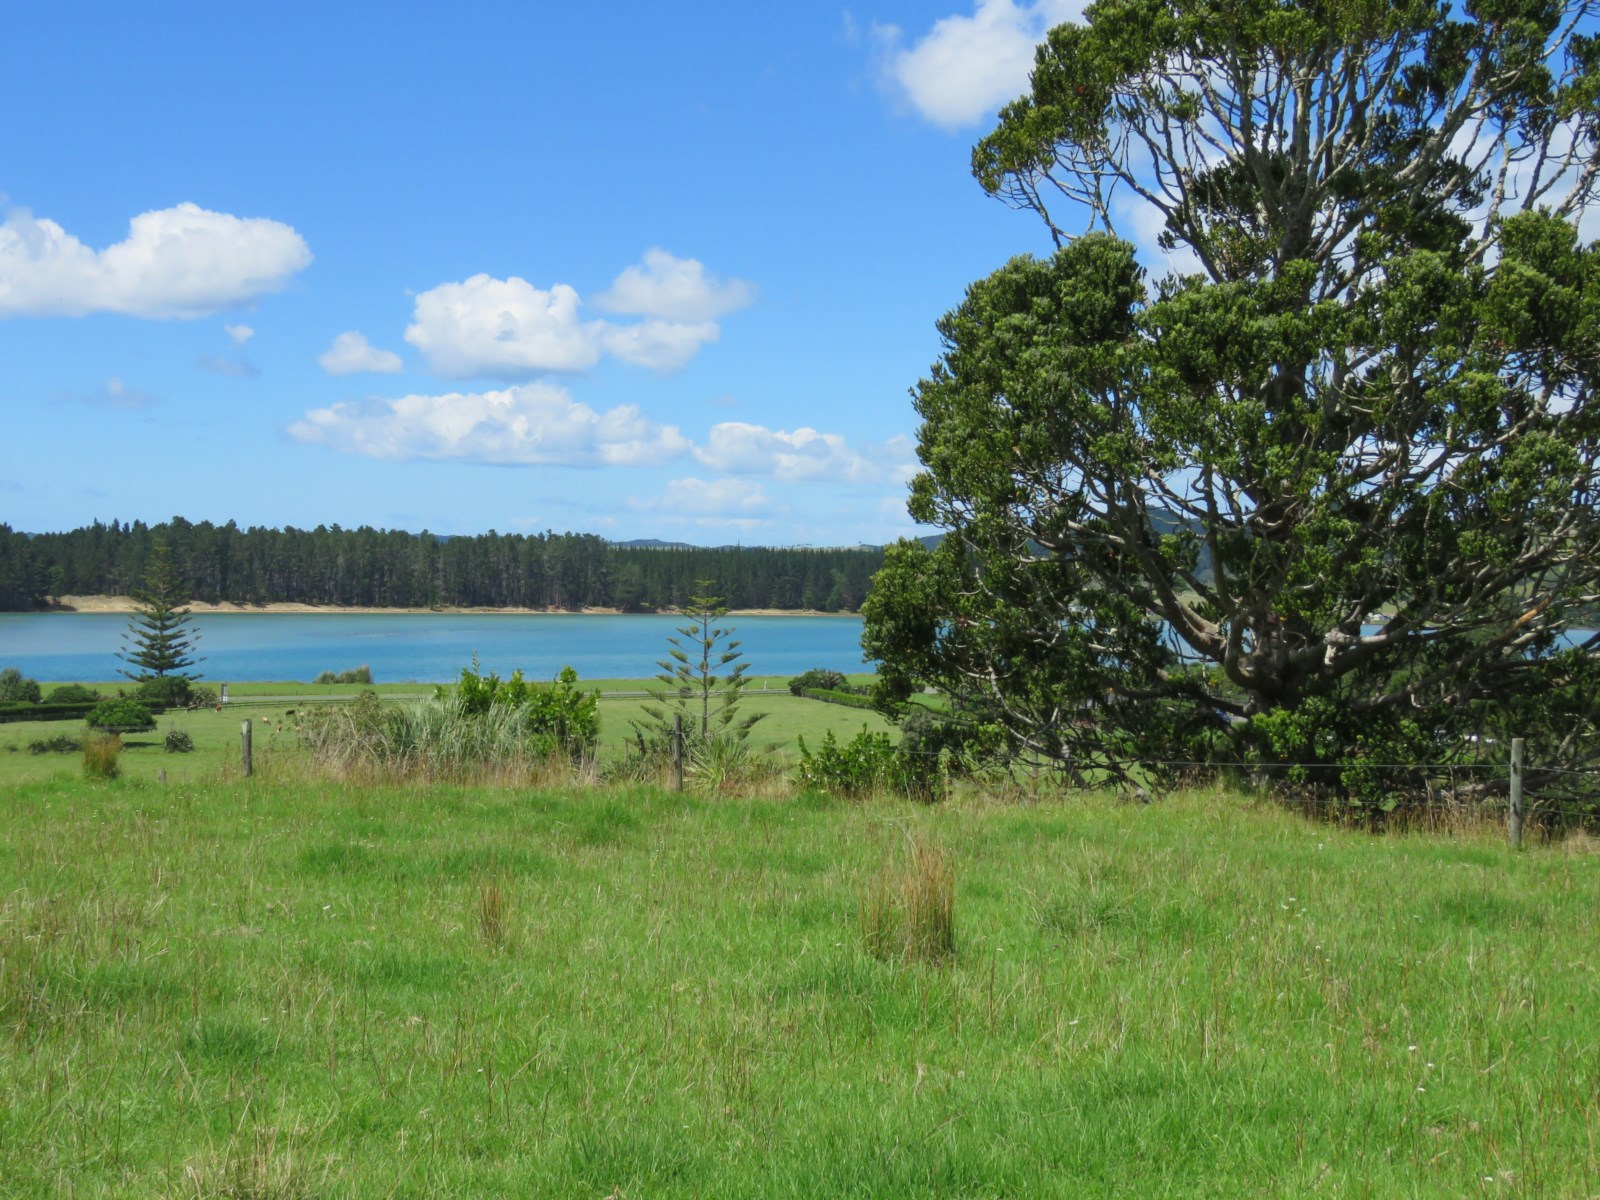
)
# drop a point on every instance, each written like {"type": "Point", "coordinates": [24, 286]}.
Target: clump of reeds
{"type": "Point", "coordinates": [908, 910]}
{"type": "Point", "coordinates": [100, 755]}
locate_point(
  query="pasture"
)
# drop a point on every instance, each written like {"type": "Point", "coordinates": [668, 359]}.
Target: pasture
{"type": "Point", "coordinates": [271, 708]}
{"type": "Point", "coordinates": [294, 988]}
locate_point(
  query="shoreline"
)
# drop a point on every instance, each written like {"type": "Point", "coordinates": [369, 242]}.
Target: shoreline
{"type": "Point", "coordinates": [124, 605]}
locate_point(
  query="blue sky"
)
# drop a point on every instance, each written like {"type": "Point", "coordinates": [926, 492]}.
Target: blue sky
{"type": "Point", "coordinates": [640, 270]}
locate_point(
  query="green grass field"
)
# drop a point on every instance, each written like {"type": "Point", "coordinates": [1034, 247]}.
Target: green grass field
{"type": "Point", "coordinates": [300, 989]}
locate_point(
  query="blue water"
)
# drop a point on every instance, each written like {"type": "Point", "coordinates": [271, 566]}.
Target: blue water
{"type": "Point", "coordinates": [426, 648]}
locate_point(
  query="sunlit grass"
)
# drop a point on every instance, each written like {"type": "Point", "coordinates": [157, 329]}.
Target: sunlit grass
{"type": "Point", "coordinates": [310, 989]}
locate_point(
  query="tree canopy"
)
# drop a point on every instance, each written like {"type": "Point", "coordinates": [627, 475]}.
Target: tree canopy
{"type": "Point", "coordinates": [393, 568]}
{"type": "Point", "coordinates": [1324, 490]}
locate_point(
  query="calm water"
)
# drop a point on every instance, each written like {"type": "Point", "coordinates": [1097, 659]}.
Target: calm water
{"type": "Point", "coordinates": [431, 647]}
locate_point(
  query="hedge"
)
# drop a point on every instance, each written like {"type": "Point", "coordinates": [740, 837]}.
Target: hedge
{"type": "Point", "coordinates": [77, 711]}
{"type": "Point", "coordinates": [829, 696]}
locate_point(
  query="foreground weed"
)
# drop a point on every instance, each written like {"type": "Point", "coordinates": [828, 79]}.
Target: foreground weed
{"type": "Point", "coordinates": [100, 754]}
{"type": "Point", "coordinates": [908, 911]}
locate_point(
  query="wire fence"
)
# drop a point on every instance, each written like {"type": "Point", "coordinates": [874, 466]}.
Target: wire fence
{"type": "Point", "coordinates": [1372, 792]}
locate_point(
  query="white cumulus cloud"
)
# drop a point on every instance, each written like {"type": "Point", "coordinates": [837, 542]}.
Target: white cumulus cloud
{"type": "Point", "coordinates": [175, 262]}
{"type": "Point", "coordinates": [659, 345]}
{"type": "Point", "coordinates": [239, 333]}
{"type": "Point", "coordinates": [674, 289]}
{"type": "Point", "coordinates": [536, 423]}
{"type": "Point", "coordinates": [511, 329]}
{"type": "Point", "coordinates": [735, 498]}
{"type": "Point", "coordinates": [352, 353]}
{"type": "Point", "coordinates": [963, 69]}
{"type": "Point", "coordinates": [739, 448]}
{"type": "Point", "coordinates": [502, 328]}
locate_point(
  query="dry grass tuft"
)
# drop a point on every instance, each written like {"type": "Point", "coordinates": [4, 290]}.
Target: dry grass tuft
{"type": "Point", "coordinates": [492, 912]}
{"type": "Point", "coordinates": [908, 910]}
{"type": "Point", "coordinates": [100, 753]}
{"type": "Point", "coordinates": [258, 1170]}
{"type": "Point", "coordinates": [1580, 842]}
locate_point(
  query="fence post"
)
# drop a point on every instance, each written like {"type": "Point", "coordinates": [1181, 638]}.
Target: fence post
{"type": "Point", "coordinates": [244, 745]}
{"type": "Point", "coordinates": [1514, 810]}
{"type": "Point", "coordinates": [677, 751]}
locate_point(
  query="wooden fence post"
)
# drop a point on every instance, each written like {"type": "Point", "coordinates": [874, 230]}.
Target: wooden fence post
{"type": "Point", "coordinates": [677, 751]}
{"type": "Point", "coordinates": [1514, 810]}
{"type": "Point", "coordinates": [244, 745]}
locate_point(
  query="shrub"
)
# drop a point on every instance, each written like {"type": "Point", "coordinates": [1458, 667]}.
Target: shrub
{"type": "Point", "coordinates": [121, 713]}
{"type": "Point", "coordinates": [361, 674]}
{"type": "Point", "coordinates": [178, 741]}
{"type": "Point", "coordinates": [201, 696]}
{"type": "Point", "coordinates": [868, 763]}
{"type": "Point", "coordinates": [818, 677]}
{"type": "Point", "coordinates": [558, 713]}
{"type": "Point", "coordinates": [100, 752]}
{"type": "Point", "coordinates": [908, 911]}
{"type": "Point", "coordinates": [56, 745]}
{"type": "Point", "coordinates": [172, 691]}
{"type": "Point", "coordinates": [72, 693]}
{"type": "Point", "coordinates": [14, 688]}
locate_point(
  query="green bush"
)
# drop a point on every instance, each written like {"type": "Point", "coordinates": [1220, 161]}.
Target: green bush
{"type": "Point", "coordinates": [72, 693]}
{"type": "Point", "coordinates": [361, 674]}
{"type": "Point", "coordinates": [178, 741]}
{"type": "Point", "coordinates": [121, 713]}
{"type": "Point", "coordinates": [818, 677]}
{"type": "Point", "coordinates": [14, 688]}
{"type": "Point", "coordinates": [868, 763]}
{"type": "Point", "coordinates": [558, 712]}
{"type": "Point", "coordinates": [170, 691]}
{"type": "Point", "coordinates": [55, 745]}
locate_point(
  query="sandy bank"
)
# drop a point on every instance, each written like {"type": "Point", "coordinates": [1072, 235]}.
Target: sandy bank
{"type": "Point", "coordinates": [125, 604]}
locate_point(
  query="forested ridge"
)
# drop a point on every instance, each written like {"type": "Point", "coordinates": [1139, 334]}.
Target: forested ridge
{"type": "Point", "coordinates": [389, 568]}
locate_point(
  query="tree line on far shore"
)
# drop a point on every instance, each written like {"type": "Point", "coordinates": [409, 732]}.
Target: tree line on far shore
{"type": "Point", "coordinates": [391, 568]}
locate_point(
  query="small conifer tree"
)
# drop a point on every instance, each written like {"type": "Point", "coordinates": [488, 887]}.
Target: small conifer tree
{"type": "Point", "coordinates": [160, 643]}
{"type": "Point", "coordinates": [701, 682]}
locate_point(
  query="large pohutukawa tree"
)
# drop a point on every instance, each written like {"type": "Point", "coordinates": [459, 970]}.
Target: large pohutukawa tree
{"type": "Point", "coordinates": [1326, 490]}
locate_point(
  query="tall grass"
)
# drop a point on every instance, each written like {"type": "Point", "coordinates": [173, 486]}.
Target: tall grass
{"type": "Point", "coordinates": [436, 739]}
{"type": "Point", "coordinates": [100, 754]}
{"type": "Point", "coordinates": [908, 910]}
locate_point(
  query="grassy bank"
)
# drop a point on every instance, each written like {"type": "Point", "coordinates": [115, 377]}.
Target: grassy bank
{"type": "Point", "coordinates": [287, 990]}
